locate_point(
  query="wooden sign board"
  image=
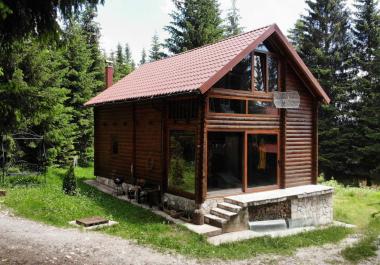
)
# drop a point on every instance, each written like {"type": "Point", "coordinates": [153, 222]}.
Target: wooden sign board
{"type": "Point", "coordinates": [91, 221]}
{"type": "Point", "coordinates": [286, 100]}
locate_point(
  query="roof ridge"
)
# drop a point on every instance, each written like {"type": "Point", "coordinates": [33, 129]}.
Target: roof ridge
{"type": "Point", "coordinates": [230, 37]}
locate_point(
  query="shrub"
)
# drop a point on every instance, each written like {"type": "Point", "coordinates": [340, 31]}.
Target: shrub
{"type": "Point", "coordinates": [69, 184]}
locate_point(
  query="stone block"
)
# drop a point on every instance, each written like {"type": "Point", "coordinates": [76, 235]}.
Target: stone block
{"type": "Point", "coordinates": [300, 222]}
{"type": "Point", "coordinates": [269, 225]}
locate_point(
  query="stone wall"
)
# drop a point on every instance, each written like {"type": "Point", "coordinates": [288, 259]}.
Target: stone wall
{"type": "Point", "coordinates": [178, 203]}
{"type": "Point", "coordinates": [316, 210]}
{"type": "Point", "coordinates": [270, 211]}
{"type": "Point", "coordinates": [208, 204]}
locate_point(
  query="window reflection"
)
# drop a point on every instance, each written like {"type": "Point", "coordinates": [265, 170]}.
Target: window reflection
{"type": "Point", "coordinates": [259, 72]}
{"type": "Point", "coordinates": [273, 74]}
{"type": "Point", "coordinates": [261, 107]}
{"type": "Point", "coordinates": [181, 175]}
{"type": "Point", "coordinates": [221, 105]}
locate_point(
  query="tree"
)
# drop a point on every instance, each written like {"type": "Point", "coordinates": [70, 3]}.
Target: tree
{"type": "Point", "coordinates": [20, 18]}
{"type": "Point", "coordinates": [128, 58]}
{"type": "Point", "coordinates": [232, 26]}
{"type": "Point", "coordinates": [194, 24]}
{"type": "Point", "coordinates": [91, 30]}
{"type": "Point", "coordinates": [120, 66]}
{"type": "Point", "coordinates": [143, 57]}
{"type": "Point", "coordinates": [366, 31]}
{"type": "Point", "coordinates": [322, 38]}
{"type": "Point", "coordinates": [32, 97]}
{"type": "Point", "coordinates": [79, 81]}
{"type": "Point", "coordinates": [155, 52]}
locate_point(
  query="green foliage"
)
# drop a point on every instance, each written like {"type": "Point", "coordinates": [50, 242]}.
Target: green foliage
{"type": "Point", "coordinates": [143, 57]}
{"type": "Point", "coordinates": [232, 26]}
{"type": "Point", "coordinates": [324, 41]}
{"type": "Point", "coordinates": [79, 81]}
{"type": "Point", "coordinates": [19, 18]}
{"type": "Point", "coordinates": [155, 52]}
{"type": "Point", "coordinates": [194, 24]}
{"type": "Point", "coordinates": [177, 171]}
{"type": "Point", "coordinates": [69, 182]}
{"type": "Point", "coordinates": [49, 204]}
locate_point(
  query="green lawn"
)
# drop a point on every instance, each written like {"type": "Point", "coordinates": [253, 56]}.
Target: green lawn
{"type": "Point", "coordinates": [47, 203]}
{"type": "Point", "coordinates": [355, 206]}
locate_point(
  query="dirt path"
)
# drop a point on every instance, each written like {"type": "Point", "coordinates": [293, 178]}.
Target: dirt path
{"type": "Point", "coordinates": [26, 242]}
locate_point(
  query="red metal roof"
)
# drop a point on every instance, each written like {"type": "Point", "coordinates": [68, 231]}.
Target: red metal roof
{"type": "Point", "coordinates": [194, 70]}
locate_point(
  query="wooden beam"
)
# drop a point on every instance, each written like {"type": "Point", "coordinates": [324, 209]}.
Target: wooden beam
{"type": "Point", "coordinates": [315, 142]}
{"type": "Point", "coordinates": [201, 183]}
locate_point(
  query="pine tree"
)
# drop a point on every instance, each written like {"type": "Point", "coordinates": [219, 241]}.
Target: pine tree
{"type": "Point", "coordinates": [79, 81]}
{"type": "Point", "coordinates": [120, 68]}
{"type": "Point", "coordinates": [232, 26]}
{"type": "Point", "coordinates": [155, 52]}
{"type": "Point", "coordinates": [194, 24]}
{"type": "Point", "coordinates": [92, 32]}
{"type": "Point", "coordinates": [323, 40]}
{"type": "Point", "coordinates": [128, 58]}
{"type": "Point", "coordinates": [367, 87]}
{"type": "Point", "coordinates": [143, 57]}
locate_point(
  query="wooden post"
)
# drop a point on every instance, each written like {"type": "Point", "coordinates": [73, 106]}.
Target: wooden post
{"type": "Point", "coordinates": [315, 142]}
{"type": "Point", "coordinates": [200, 187]}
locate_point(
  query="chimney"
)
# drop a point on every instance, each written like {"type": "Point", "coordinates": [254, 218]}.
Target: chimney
{"type": "Point", "coordinates": [109, 74]}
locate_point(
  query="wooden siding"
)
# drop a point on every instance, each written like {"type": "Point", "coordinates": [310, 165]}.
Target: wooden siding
{"type": "Point", "coordinates": [113, 121]}
{"type": "Point", "coordinates": [299, 135]}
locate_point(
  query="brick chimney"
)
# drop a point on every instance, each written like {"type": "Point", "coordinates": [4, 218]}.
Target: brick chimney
{"type": "Point", "coordinates": [109, 74]}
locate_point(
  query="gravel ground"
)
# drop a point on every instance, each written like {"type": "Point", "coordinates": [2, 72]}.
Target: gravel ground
{"type": "Point", "coordinates": [27, 242]}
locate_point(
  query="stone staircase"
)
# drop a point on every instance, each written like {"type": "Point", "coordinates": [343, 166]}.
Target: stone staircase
{"type": "Point", "coordinates": [228, 216]}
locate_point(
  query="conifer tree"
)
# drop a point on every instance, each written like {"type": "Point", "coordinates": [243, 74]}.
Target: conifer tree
{"type": "Point", "coordinates": [232, 26]}
{"type": "Point", "coordinates": [323, 40]}
{"type": "Point", "coordinates": [143, 57]}
{"type": "Point", "coordinates": [92, 32]}
{"type": "Point", "coordinates": [128, 58]}
{"type": "Point", "coordinates": [194, 24]}
{"type": "Point", "coordinates": [79, 81]}
{"type": "Point", "coordinates": [367, 87]}
{"type": "Point", "coordinates": [120, 67]}
{"type": "Point", "coordinates": [155, 52]}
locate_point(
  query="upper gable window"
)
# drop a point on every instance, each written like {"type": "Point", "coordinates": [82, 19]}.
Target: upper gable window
{"type": "Point", "coordinates": [266, 70]}
{"type": "Point", "coordinates": [239, 78]}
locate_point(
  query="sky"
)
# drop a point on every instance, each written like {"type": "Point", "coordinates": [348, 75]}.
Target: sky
{"type": "Point", "coordinates": [135, 21]}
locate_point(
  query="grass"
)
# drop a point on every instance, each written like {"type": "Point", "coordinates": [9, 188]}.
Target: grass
{"type": "Point", "coordinates": [47, 204]}
{"type": "Point", "coordinates": [356, 206]}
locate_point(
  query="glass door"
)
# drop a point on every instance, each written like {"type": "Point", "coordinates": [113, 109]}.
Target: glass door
{"type": "Point", "coordinates": [262, 157]}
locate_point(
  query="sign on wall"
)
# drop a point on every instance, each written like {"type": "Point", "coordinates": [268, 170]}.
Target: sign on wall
{"type": "Point", "coordinates": [286, 100]}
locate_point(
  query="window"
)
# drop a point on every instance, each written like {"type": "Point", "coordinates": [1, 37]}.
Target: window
{"type": "Point", "coordinates": [185, 109]}
{"type": "Point", "coordinates": [260, 72]}
{"type": "Point", "coordinates": [261, 107]}
{"type": "Point", "coordinates": [272, 74]}
{"type": "Point", "coordinates": [181, 176]}
{"type": "Point", "coordinates": [239, 78]}
{"type": "Point", "coordinates": [225, 160]}
{"type": "Point", "coordinates": [262, 160]}
{"type": "Point", "coordinates": [115, 146]}
{"type": "Point", "coordinates": [221, 105]}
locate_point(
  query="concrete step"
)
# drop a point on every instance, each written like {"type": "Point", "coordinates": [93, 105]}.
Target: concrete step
{"type": "Point", "coordinates": [229, 207]}
{"type": "Point", "coordinates": [235, 202]}
{"type": "Point", "coordinates": [205, 229]}
{"type": "Point", "coordinates": [222, 213]}
{"type": "Point", "coordinates": [215, 220]}
{"type": "Point", "coordinates": [268, 225]}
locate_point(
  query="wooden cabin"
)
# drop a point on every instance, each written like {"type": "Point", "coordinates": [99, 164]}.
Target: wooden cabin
{"type": "Point", "coordinates": [203, 125]}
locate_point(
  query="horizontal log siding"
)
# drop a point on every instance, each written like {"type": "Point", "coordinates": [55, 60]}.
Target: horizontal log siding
{"type": "Point", "coordinates": [299, 135]}
{"type": "Point", "coordinates": [148, 142]}
{"type": "Point", "coordinates": [113, 121]}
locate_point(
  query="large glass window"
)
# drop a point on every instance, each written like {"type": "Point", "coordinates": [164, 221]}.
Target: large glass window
{"type": "Point", "coordinates": [221, 105]}
{"type": "Point", "coordinates": [239, 78]}
{"type": "Point", "coordinates": [181, 176]}
{"type": "Point", "coordinates": [272, 74]}
{"type": "Point", "coordinates": [261, 107]}
{"type": "Point", "coordinates": [262, 160]}
{"type": "Point", "coordinates": [259, 72]}
{"type": "Point", "coordinates": [225, 161]}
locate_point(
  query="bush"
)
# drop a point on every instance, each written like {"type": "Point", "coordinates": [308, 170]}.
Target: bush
{"type": "Point", "coordinates": [69, 184]}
